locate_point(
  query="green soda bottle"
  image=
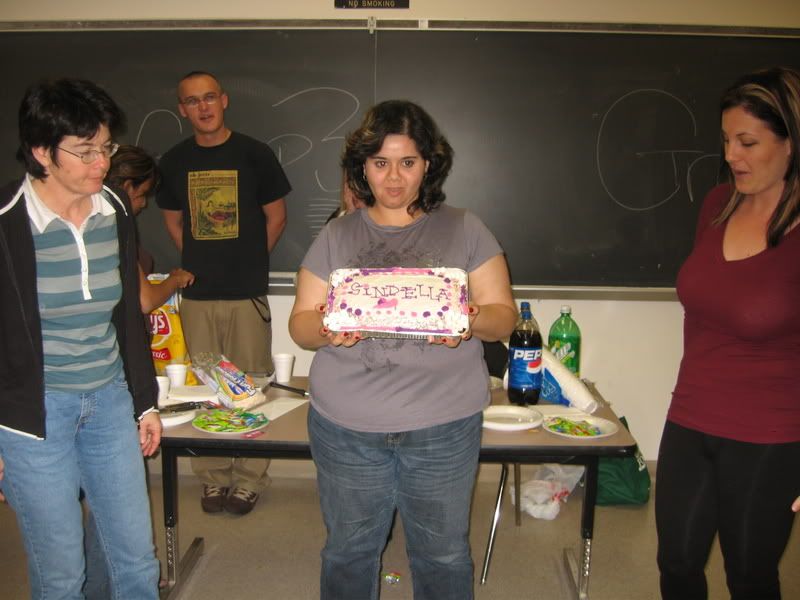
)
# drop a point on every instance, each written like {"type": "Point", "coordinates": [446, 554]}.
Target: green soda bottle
{"type": "Point", "coordinates": [565, 340]}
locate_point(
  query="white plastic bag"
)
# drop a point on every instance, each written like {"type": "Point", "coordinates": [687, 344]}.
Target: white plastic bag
{"type": "Point", "coordinates": [552, 484]}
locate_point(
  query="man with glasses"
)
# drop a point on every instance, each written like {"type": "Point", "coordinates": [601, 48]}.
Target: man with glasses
{"type": "Point", "coordinates": [222, 197]}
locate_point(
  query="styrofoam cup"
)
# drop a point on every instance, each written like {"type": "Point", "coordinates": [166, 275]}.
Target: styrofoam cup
{"type": "Point", "coordinates": [163, 388]}
{"type": "Point", "coordinates": [284, 363]}
{"type": "Point", "coordinates": [176, 374]}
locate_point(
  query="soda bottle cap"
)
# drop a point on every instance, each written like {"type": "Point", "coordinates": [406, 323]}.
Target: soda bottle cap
{"type": "Point", "coordinates": [524, 306]}
{"type": "Point", "coordinates": [566, 309]}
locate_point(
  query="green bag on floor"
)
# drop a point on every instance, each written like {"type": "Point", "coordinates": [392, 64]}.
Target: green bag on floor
{"type": "Point", "coordinates": [623, 480]}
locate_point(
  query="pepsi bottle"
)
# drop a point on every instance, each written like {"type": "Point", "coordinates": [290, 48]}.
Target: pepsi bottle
{"type": "Point", "coordinates": [525, 359]}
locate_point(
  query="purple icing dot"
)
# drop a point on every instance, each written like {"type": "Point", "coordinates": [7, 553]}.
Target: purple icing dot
{"type": "Point", "coordinates": [348, 279]}
{"type": "Point", "coordinates": [439, 313]}
{"type": "Point", "coordinates": [447, 280]}
{"type": "Point", "coordinates": [445, 308]}
{"type": "Point", "coordinates": [358, 311]}
{"type": "Point", "coordinates": [427, 313]}
{"type": "Point", "coordinates": [343, 305]}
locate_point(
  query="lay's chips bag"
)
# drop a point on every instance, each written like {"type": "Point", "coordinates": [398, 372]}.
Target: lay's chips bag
{"type": "Point", "coordinates": [167, 343]}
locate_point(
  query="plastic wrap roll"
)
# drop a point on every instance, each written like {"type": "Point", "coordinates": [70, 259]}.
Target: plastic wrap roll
{"type": "Point", "coordinates": [572, 388]}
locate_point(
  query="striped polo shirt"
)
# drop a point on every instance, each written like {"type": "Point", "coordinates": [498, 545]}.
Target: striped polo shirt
{"type": "Point", "coordinates": [78, 280]}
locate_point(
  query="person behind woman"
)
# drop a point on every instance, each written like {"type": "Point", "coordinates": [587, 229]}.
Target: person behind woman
{"type": "Point", "coordinates": [730, 449]}
{"type": "Point", "coordinates": [135, 172]}
{"type": "Point", "coordinates": [396, 424]}
{"type": "Point", "coordinates": [348, 201]}
{"type": "Point", "coordinates": [75, 367]}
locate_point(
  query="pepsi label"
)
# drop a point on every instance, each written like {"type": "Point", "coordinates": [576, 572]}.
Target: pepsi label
{"type": "Point", "coordinates": [525, 368]}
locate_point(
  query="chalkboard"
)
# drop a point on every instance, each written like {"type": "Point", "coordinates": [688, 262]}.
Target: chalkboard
{"type": "Point", "coordinates": [587, 154]}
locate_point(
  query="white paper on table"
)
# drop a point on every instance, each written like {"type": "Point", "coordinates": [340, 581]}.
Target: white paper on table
{"type": "Point", "coordinates": [559, 410]}
{"type": "Point", "coordinates": [190, 393]}
{"type": "Point", "coordinates": [278, 407]}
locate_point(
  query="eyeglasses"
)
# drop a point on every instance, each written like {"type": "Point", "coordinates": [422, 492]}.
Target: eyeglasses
{"type": "Point", "coordinates": [89, 156]}
{"type": "Point", "coordinates": [194, 101]}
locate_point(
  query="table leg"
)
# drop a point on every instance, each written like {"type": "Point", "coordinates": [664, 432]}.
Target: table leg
{"type": "Point", "coordinates": [517, 487]}
{"type": "Point", "coordinates": [169, 480]}
{"type": "Point", "coordinates": [495, 519]}
{"type": "Point", "coordinates": [182, 570]}
{"type": "Point", "coordinates": [178, 569]}
{"type": "Point", "coordinates": [578, 574]}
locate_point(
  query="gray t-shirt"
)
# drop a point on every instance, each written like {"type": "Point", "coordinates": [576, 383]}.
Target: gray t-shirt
{"type": "Point", "coordinates": [393, 385]}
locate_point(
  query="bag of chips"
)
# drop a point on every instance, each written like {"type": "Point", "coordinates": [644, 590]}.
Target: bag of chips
{"type": "Point", "coordinates": [167, 343]}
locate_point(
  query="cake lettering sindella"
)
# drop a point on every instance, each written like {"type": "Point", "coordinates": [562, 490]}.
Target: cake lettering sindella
{"type": "Point", "coordinates": [398, 302]}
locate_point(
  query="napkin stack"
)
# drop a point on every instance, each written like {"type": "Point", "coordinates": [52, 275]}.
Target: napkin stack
{"type": "Point", "coordinates": [561, 386]}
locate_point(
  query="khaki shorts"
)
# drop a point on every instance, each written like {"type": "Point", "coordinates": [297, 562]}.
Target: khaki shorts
{"type": "Point", "coordinates": [239, 329]}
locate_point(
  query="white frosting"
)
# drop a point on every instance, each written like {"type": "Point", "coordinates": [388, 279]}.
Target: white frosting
{"type": "Point", "coordinates": [414, 302]}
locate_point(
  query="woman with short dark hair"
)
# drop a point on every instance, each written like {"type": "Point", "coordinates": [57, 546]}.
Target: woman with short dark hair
{"type": "Point", "coordinates": [77, 383]}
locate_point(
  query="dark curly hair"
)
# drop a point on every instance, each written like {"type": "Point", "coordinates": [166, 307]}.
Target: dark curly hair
{"type": "Point", "coordinates": [404, 118]}
{"type": "Point", "coordinates": [52, 110]}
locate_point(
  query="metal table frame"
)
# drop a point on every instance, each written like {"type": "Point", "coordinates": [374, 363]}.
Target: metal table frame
{"type": "Point", "coordinates": [496, 448]}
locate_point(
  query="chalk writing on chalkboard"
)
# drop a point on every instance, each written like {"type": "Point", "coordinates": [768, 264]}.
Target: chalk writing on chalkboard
{"type": "Point", "coordinates": [617, 134]}
{"type": "Point", "coordinates": [147, 118]}
{"type": "Point", "coordinates": [317, 208]}
{"type": "Point", "coordinates": [295, 147]}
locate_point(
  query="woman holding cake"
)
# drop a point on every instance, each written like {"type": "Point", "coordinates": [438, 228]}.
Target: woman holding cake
{"type": "Point", "coordinates": [395, 424]}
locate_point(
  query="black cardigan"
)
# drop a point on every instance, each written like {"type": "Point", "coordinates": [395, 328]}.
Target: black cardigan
{"type": "Point", "coordinates": [21, 350]}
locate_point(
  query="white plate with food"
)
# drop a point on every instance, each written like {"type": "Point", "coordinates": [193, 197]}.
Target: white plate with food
{"type": "Point", "coordinates": [229, 422]}
{"type": "Point", "coordinates": [580, 428]}
{"type": "Point", "coordinates": [511, 418]}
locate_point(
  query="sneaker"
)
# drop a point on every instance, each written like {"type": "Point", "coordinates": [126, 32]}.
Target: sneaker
{"type": "Point", "coordinates": [241, 501]}
{"type": "Point", "coordinates": [213, 498]}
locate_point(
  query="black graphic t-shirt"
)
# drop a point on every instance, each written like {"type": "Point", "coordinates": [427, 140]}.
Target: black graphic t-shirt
{"type": "Point", "coordinates": [221, 191]}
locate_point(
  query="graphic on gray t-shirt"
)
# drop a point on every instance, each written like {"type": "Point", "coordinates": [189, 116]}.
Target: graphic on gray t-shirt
{"type": "Point", "coordinates": [392, 385]}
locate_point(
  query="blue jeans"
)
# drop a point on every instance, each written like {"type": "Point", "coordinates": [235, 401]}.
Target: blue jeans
{"type": "Point", "coordinates": [427, 475]}
{"type": "Point", "coordinates": [92, 443]}
{"type": "Point", "coordinates": [98, 584]}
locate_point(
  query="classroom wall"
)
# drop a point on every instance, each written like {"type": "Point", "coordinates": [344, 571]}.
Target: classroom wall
{"type": "Point", "coordinates": [767, 13]}
{"type": "Point", "coordinates": [631, 347]}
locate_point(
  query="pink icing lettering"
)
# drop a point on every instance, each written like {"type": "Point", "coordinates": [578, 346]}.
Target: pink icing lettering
{"type": "Point", "coordinates": [383, 303]}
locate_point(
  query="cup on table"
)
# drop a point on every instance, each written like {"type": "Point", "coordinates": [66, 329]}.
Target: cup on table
{"type": "Point", "coordinates": [284, 363]}
{"type": "Point", "coordinates": [163, 388]}
{"type": "Point", "coordinates": [176, 374]}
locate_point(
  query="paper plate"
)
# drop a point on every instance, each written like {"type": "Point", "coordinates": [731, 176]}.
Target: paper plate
{"type": "Point", "coordinates": [511, 418]}
{"type": "Point", "coordinates": [600, 427]}
{"type": "Point", "coordinates": [170, 420]}
{"type": "Point", "coordinates": [212, 421]}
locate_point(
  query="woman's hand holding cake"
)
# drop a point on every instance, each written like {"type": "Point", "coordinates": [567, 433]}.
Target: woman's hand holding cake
{"type": "Point", "coordinates": [337, 338]}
